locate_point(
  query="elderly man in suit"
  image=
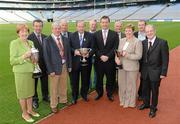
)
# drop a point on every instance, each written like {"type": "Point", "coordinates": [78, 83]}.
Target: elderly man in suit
{"type": "Point", "coordinates": [57, 56]}
{"type": "Point", "coordinates": [105, 44]}
{"type": "Point", "coordinates": [117, 28]}
{"type": "Point", "coordinates": [154, 66]}
{"type": "Point", "coordinates": [37, 37]}
{"type": "Point", "coordinates": [64, 28]}
{"type": "Point", "coordinates": [92, 30]}
{"type": "Point", "coordinates": [80, 39]}
{"type": "Point", "coordinates": [141, 35]}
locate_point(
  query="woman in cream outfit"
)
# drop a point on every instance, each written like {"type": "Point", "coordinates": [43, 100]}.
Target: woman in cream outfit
{"type": "Point", "coordinates": [130, 49]}
{"type": "Point", "coordinates": [20, 53]}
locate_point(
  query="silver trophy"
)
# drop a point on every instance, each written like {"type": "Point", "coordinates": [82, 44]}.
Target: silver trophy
{"type": "Point", "coordinates": [84, 52]}
{"type": "Point", "coordinates": [35, 58]}
{"type": "Point", "coordinates": [119, 54]}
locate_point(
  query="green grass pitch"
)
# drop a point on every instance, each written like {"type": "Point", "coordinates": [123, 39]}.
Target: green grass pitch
{"type": "Point", "coordinates": [10, 111]}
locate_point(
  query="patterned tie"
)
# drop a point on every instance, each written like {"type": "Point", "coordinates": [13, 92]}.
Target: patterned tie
{"type": "Point", "coordinates": [60, 46]}
{"type": "Point", "coordinates": [39, 38]}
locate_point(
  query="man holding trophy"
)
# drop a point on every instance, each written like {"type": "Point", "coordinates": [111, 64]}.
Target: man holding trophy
{"type": "Point", "coordinates": [82, 50]}
{"type": "Point", "coordinates": [37, 37]}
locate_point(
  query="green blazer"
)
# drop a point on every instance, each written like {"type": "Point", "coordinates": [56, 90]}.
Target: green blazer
{"type": "Point", "coordinates": [17, 49]}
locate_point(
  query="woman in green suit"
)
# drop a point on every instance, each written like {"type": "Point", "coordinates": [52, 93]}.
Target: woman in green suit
{"type": "Point", "coordinates": [20, 54]}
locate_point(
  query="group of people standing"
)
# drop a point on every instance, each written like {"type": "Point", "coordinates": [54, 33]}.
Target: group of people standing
{"type": "Point", "coordinates": [60, 57]}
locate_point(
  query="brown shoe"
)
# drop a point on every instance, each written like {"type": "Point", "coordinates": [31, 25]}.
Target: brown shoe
{"type": "Point", "coordinates": [54, 110]}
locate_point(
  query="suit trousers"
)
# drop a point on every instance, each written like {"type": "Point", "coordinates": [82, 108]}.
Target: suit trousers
{"type": "Point", "coordinates": [105, 69]}
{"type": "Point", "coordinates": [151, 92]}
{"type": "Point", "coordinates": [58, 88]}
{"type": "Point", "coordinates": [85, 77]}
{"type": "Point", "coordinates": [127, 87]}
{"type": "Point", "coordinates": [44, 87]}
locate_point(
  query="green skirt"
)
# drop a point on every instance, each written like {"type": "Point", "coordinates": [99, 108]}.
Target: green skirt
{"type": "Point", "coordinates": [24, 85]}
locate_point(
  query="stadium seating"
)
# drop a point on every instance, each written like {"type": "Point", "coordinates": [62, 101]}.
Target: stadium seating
{"type": "Point", "coordinates": [147, 12]}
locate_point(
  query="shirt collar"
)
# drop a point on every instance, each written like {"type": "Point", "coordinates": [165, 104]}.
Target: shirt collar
{"type": "Point", "coordinates": [81, 34]}
{"type": "Point", "coordinates": [37, 34]}
{"type": "Point", "coordinates": [55, 37]}
{"type": "Point", "coordinates": [152, 40]}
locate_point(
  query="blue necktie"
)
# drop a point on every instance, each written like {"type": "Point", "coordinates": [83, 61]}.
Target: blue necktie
{"type": "Point", "coordinates": [81, 40]}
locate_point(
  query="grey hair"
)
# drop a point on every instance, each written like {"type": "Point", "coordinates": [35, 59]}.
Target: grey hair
{"type": "Point", "coordinates": [55, 24]}
{"type": "Point", "coordinates": [152, 26]}
{"type": "Point", "coordinates": [63, 21]}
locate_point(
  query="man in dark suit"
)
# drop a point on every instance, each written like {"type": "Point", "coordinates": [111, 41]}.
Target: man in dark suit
{"type": "Point", "coordinates": [80, 39]}
{"type": "Point", "coordinates": [154, 66]}
{"type": "Point", "coordinates": [37, 37]}
{"type": "Point", "coordinates": [64, 28]}
{"type": "Point", "coordinates": [92, 30]}
{"type": "Point", "coordinates": [117, 28]}
{"type": "Point", "coordinates": [105, 44]}
{"type": "Point", "coordinates": [141, 35]}
{"type": "Point", "coordinates": [57, 57]}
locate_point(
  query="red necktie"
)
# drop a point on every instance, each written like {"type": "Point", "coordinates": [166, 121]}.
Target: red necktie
{"type": "Point", "coordinates": [60, 46]}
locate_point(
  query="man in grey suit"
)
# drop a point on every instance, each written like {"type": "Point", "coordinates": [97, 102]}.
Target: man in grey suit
{"type": "Point", "coordinates": [57, 57]}
{"type": "Point", "coordinates": [154, 66]}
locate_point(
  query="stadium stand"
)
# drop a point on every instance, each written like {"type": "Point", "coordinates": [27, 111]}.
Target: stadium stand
{"type": "Point", "coordinates": [171, 12]}
{"type": "Point", "coordinates": [72, 10]}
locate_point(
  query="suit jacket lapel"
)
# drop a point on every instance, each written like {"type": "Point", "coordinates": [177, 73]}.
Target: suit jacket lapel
{"type": "Point", "coordinates": [54, 43]}
{"type": "Point", "coordinates": [108, 36]}
{"type": "Point", "coordinates": [77, 39]}
{"type": "Point", "coordinates": [154, 45]}
{"type": "Point", "coordinates": [101, 37]}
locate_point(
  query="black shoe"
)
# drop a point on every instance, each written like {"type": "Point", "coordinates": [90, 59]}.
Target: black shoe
{"type": "Point", "coordinates": [152, 114]}
{"type": "Point", "coordinates": [98, 97]}
{"type": "Point", "coordinates": [140, 98]}
{"type": "Point", "coordinates": [46, 99]}
{"type": "Point", "coordinates": [143, 106]}
{"type": "Point", "coordinates": [111, 98]}
{"type": "Point", "coordinates": [35, 104]}
{"type": "Point", "coordinates": [85, 99]}
{"type": "Point", "coordinates": [74, 102]}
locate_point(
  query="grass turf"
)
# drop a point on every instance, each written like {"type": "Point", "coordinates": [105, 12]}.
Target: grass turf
{"type": "Point", "coordinates": [10, 111]}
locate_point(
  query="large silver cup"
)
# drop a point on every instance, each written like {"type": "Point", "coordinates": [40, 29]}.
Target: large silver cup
{"type": "Point", "coordinates": [35, 58]}
{"type": "Point", "coordinates": [84, 52]}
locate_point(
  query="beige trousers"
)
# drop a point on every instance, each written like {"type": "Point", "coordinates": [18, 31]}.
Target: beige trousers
{"type": "Point", "coordinates": [127, 87]}
{"type": "Point", "coordinates": [58, 88]}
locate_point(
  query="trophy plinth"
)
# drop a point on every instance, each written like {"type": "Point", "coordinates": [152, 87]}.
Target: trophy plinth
{"type": "Point", "coordinates": [37, 73]}
{"type": "Point", "coordinates": [84, 52]}
{"type": "Point", "coordinates": [118, 54]}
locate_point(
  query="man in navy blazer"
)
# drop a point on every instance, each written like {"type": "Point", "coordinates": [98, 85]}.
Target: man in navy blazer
{"type": "Point", "coordinates": [37, 37]}
{"type": "Point", "coordinates": [154, 67]}
{"type": "Point", "coordinates": [81, 39]}
{"type": "Point", "coordinates": [57, 57]}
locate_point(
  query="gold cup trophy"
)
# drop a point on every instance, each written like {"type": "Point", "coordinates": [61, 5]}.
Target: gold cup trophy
{"type": "Point", "coordinates": [35, 58]}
